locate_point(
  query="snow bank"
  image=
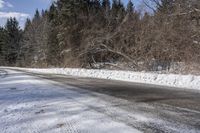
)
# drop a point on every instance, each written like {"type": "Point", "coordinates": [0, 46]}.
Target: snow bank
{"type": "Point", "coordinates": [171, 80]}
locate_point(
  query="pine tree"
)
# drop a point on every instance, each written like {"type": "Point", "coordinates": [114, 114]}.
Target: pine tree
{"type": "Point", "coordinates": [130, 7]}
{"type": "Point", "coordinates": [13, 36]}
{"type": "Point", "coordinates": [52, 12]}
{"type": "Point", "coordinates": [106, 11]}
{"type": "Point", "coordinates": [2, 35]}
{"type": "Point", "coordinates": [25, 51]}
{"type": "Point", "coordinates": [2, 44]}
{"type": "Point", "coordinates": [96, 6]}
{"type": "Point", "coordinates": [27, 24]}
{"type": "Point", "coordinates": [115, 7]}
{"type": "Point", "coordinates": [54, 50]}
{"type": "Point", "coordinates": [117, 12]}
{"type": "Point", "coordinates": [106, 4]}
{"type": "Point", "coordinates": [37, 15]}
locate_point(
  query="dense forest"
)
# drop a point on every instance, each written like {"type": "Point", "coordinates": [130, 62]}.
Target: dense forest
{"type": "Point", "coordinates": [107, 34]}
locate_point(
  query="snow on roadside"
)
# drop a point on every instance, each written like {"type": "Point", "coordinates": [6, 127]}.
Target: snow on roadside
{"type": "Point", "coordinates": [171, 80]}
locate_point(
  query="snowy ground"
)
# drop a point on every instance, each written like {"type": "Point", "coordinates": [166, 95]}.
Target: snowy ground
{"type": "Point", "coordinates": [31, 105]}
{"type": "Point", "coordinates": [171, 80]}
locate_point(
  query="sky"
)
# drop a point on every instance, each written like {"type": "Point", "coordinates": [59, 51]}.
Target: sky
{"type": "Point", "coordinates": [23, 9]}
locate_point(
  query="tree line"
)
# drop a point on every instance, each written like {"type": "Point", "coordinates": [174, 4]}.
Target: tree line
{"type": "Point", "coordinates": [101, 33]}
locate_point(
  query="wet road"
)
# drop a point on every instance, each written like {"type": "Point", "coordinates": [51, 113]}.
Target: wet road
{"type": "Point", "coordinates": [173, 110]}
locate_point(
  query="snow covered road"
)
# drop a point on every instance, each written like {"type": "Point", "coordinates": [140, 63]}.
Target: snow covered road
{"type": "Point", "coordinates": [52, 103]}
{"type": "Point", "coordinates": [32, 105]}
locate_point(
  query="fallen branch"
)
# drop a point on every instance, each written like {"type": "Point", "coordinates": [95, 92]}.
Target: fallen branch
{"type": "Point", "coordinates": [119, 53]}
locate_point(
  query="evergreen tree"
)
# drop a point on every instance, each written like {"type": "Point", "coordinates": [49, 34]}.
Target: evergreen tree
{"type": "Point", "coordinates": [52, 12]}
{"type": "Point", "coordinates": [13, 36]}
{"type": "Point", "coordinates": [27, 24]}
{"type": "Point", "coordinates": [2, 44]}
{"type": "Point", "coordinates": [117, 12]}
{"type": "Point", "coordinates": [96, 6]}
{"type": "Point", "coordinates": [115, 7]}
{"type": "Point", "coordinates": [2, 40]}
{"type": "Point", "coordinates": [130, 7]}
{"type": "Point", "coordinates": [37, 15]}
{"type": "Point", "coordinates": [106, 4]}
{"type": "Point", "coordinates": [54, 50]}
{"type": "Point", "coordinates": [106, 11]}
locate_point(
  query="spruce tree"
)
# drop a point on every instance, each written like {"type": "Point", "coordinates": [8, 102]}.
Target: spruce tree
{"type": "Point", "coordinates": [130, 7]}
{"type": "Point", "coordinates": [37, 15]}
{"type": "Point", "coordinates": [2, 44]}
{"type": "Point", "coordinates": [13, 36]}
{"type": "Point", "coordinates": [106, 4]}
{"type": "Point", "coordinates": [106, 11]}
{"type": "Point", "coordinates": [117, 12]}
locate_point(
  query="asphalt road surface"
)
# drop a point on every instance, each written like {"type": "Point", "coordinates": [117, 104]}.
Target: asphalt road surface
{"type": "Point", "coordinates": [160, 109]}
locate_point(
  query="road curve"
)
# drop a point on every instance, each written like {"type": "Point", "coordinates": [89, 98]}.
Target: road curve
{"type": "Point", "coordinates": [161, 109]}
